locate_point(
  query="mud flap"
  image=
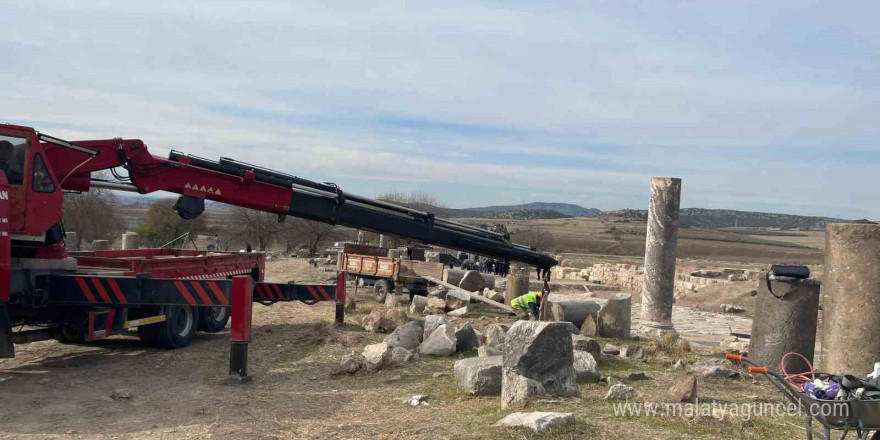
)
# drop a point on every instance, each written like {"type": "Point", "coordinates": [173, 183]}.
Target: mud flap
{"type": "Point", "coordinates": [7, 350]}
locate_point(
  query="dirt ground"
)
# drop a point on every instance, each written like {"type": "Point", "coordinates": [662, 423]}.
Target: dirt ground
{"type": "Point", "coordinates": [63, 391]}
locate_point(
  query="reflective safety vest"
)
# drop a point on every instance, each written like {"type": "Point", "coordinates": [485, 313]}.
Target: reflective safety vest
{"type": "Point", "coordinates": [522, 302]}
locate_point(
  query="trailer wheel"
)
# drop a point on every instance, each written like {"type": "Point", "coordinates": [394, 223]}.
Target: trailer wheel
{"type": "Point", "coordinates": [213, 319]}
{"type": "Point", "coordinates": [177, 331]}
{"type": "Point", "coordinates": [381, 289]}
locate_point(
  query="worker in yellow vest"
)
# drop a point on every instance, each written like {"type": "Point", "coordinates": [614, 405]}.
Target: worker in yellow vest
{"type": "Point", "coordinates": [530, 301]}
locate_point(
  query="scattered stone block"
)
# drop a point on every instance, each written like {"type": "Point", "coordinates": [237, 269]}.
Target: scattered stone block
{"type": "Point", "coordinates": [575, 312]}
{"type": "Point", "coordinates": [494, 335]}
{"type": "Point", "coordinates": [620, 391]}
{"type": "Point", "coordinates": [590, 328]}
{"type": "Point", "coordinates": [456, 299]}
{"type": "Point", "coordinates": [718, 371]}
{"type": "Point", "coordinates": [632, 352]}
{"type": "Point", "coordinates": [479, 376]}
{"type": "Point", "coordinates": [437, 293]}
{"type": "Point", "coordinates": [585, 367]}
{"type": "Point", "coordinates": [377, 356]}
{"type": "Point", "coordinates": [729, 308]}
{"type": "Point", "coordinates": [417, 307]}
{"type": "Point", "coordinates": [431, 324]}
{"type": "Point", "coordinates": [615, 320]}
{"type": "Point", "coordinates": [352, 363]}
{"type": "Point", "coordinates": [408, 336]}
{"type": "Point", "coordinates": [384, 320]}
{"type": "Point", "coordinates": [538, 359]}
{"type": "Point", "coordinates": [419, 400]}
{"type": "Point", "coordinates": [435, 306]}
{"type": "Point", "coordinates": [637, 375]}
{"type": "Point", "coordinates": [611, 349]}
{"type": "Point", "coordinates": [589, 345]}
{"type": "Point", "coordinates": [466, 338]}
{"type": "Point", "coordinates": [494, 295]}
{"type": "Point", "coordinates": [684, 390]}
{"type": "Point", "coordinates": [539, 422]}
{"type": "Point", "coordinates": [401, 356]}
{"type": "Point", "coordinates": [472, 281]}
{"type": "Point", "coordinates": [391, 300]}
{"type": "Point", "coordinates": [714, 368]}
{"type": "Point", "coordinates": [487, 351]}
{"type": "Point", "coordinates": [442, 342]}
{"type": "Point", "coordinates": [463, 311]}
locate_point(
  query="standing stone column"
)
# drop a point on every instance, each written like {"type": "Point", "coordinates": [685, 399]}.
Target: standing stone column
{"type": "Point", "coordinates": [851, 299]}
{"type": "Point", "coordinates": [660, 250]}
{"type": "Point", "coordinates": [383, 241]}
{"type": "Point", "coordinates": [361, 237]}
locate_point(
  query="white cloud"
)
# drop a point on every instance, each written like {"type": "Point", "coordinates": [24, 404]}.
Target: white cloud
{"type": "Point", "coordinates": [524, 101]}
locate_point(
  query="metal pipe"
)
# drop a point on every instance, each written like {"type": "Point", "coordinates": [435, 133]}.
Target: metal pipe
{"type": "Point", "coordinates": [103, 184]}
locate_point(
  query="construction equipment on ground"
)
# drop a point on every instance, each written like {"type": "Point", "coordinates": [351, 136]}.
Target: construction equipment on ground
{"type": "Point", "coordinates": [166, 294]}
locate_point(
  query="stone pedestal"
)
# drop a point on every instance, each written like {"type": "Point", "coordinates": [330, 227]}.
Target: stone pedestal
{"type": "Point", "coordinates": [71, 241]}
{"type": "Point", "coordinates": [851, 299]}
{"type": "Point", "coordinates": [130, 240]}
{"type": "Point", "coordinates": [517, 284]}
{"type": "Point", "coordinates": [786, 311]}
{"type": "Point", "coordinates": [660, 249]}
{"type": "Point", "coordinates": [383, 241]}
{"type": "Point", "coordinates": [100, 245]}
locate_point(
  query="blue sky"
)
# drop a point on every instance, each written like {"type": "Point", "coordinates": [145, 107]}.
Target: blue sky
{"type": "Point", "coordinates": [768, 106]}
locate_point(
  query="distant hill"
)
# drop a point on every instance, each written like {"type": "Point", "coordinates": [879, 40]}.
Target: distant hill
{"type": "Point", "coordinates": [727, 218]}
{"type": "Point", "coordinates": [566, 209]}
{"type": "Point", "coordinates": [517, 214]}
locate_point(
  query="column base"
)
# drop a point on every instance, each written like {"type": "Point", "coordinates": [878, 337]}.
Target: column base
{"type": "Point", "coordinates": [656, 329]}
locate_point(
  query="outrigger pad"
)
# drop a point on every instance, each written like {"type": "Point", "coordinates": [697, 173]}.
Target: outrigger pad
{"type": "Point", "coordinates": [7, 350]}
{"type": "Point", "coordinates": [188, 207]}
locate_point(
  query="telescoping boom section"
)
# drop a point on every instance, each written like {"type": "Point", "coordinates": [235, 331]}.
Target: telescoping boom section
{"type": "Point", "coordinates": [327, 203]}
{"type": "Point", "coordinates": [237, 183]}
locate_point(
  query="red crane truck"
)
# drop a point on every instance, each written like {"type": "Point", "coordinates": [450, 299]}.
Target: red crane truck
{"type": "Point", "coordinates": [46, 292]}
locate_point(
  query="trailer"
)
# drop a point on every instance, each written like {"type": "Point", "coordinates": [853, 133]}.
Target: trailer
{"type": "Point", "coordinates": [388, 274]}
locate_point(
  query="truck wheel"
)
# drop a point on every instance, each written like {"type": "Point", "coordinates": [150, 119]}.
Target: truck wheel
{"type": "Point", "coordinates": [213, 319]}
{"type": "Point", "coordinates": [177, 331]}
{"type": "Point", "coordinates": [380, 290]}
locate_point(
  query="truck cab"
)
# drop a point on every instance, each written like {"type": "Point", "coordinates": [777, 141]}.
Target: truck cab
{"type": "Point", "coordinates": [35, 197]}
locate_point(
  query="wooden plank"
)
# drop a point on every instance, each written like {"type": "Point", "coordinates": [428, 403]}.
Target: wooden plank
{"type": "Point", "coordinates": [479, 298]}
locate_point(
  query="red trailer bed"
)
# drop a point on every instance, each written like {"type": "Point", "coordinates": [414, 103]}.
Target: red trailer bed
{"type": "Point", "coordinates": [171, 263]}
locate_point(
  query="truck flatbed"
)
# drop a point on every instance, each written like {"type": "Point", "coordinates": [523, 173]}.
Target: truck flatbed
{"type": "Point", "coordinates": [172, 263]}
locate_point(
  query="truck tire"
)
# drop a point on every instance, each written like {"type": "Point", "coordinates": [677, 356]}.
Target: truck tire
{"type": "Point", "coordinates": [177, 331]}
{"type": "Point", "coordinates": [213, 319]}
{"type": "Point", "coordinates": [381, 289]}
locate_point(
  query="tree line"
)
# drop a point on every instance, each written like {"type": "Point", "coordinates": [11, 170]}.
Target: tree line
{"type": "Point", "coordinates": [97, 215]}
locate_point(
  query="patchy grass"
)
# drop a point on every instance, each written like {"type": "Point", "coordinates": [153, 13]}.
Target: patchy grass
{"type": "Point", "coordinates": [295, 395]}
